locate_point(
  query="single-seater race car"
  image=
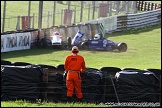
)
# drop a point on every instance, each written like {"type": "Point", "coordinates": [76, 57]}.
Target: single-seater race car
{"type": "Point", "coordinates": [98, 43]}
{"type": "Point", "coordinates": [56, 40]}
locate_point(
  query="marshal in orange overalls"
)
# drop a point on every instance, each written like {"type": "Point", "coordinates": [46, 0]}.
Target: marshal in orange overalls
{"type": "Point", "coordinates": [74, 64]}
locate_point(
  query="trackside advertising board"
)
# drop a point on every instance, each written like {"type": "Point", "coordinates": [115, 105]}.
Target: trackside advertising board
{"type": "Point", "coordinates": [16, 41]}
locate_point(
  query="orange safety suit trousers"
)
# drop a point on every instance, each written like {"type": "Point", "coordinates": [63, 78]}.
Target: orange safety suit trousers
{"type": "Point", "coordinates": [73, 82]}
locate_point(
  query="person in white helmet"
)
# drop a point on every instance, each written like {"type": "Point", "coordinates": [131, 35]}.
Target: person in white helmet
{"type": "Point", "coordinates": [97, 36]}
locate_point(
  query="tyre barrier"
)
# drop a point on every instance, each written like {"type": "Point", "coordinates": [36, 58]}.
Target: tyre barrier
{"type": "Point", "coordinates": [157, 72]}
{"type": "Point", "coordinates": [55, 84]}
{"type": "Point", "coordinates": [46, 66]}
{"type": "Point", "coordinates": [107, 84]}
{"type": "Point", "coordinates": [60, 66]}
{"type": "Point", "coordinates": [109, 91]}
{"type": "Point", "coordinates": [134, 69]}
{"type": "Point", "coordinates": [137, 86]}
{"type": "Point", "coordinates": [5, 62]}
{"type": "Point", "coordinates": [21, 82]}
{"type": "Point", "coordinates": [21, 63]}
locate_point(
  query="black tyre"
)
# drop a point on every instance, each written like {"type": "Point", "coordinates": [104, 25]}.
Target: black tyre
{"type": "Point", "coordinates": [5, 62]}
{"type": "Point", "coordinates": [110, 70]}
{"type": "Point", "coordinates": [157, 72]}
{"type": "Point", "coordinates": [46, 66]}
{"type": "Point", "coordinates": [85, 46]}
{"type": "Point", "coordinates": [91, 69]}
{"type": "Point", "coordinates": [60, 66]}
{"type": "Point", "coordinates": [43, 43]}
{"type": "Point", "coordinates": [122, 47]}
{"type": "Point", "coordinates": [130, 69]}
{"type": "Point", "coordinates": [69, 41]}
{"type": "Point", "coordinates": [21, 64]}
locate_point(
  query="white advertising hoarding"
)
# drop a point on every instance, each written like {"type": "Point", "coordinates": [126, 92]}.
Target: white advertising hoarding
{"type": "Point", "coordinates": [16, 41]}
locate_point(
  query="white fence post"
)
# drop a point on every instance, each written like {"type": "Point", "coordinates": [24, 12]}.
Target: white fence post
{"type": "Point", "coordinates": [54, 11]}
{"type": "Point", "coordinates": [117, 7]}
{"type": "Point", "coordinates": [127, 6]}
{"type": "Point", "coordinates": [89, 6]}
{"type": "Point", "coordinates": [4, 16]}
{"type": "Point", "coordinates": [81, 11]}
{"type": "Point", "coordinates": [29, 14]}
{"type": "Point", "coordinates": [93, 2]}
{"type": "Point", "coordinates": [110, 8]}
{"type": "Point", "coordinates": [61, 16]}
{"type": "Point", "coordinates": [33, 20]}
{"type": "Point", "coordinates": [74, 15]}
{"type": "Point", "coordinates": [135, 6]}
{"type": "Point", "coordinates": [48, 19]}
{"type": "Point", "coordinates": [18, 23]}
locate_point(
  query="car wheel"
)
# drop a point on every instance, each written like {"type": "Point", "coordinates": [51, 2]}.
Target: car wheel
{"type": "Point", "coordinates": [122, 47]}
{"type": "Point", "coordinates": [43, 43]}
{"type": "Point", "coordinates": [69, 41]}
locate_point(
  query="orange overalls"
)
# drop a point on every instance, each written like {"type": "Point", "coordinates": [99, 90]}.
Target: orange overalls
{"type": "Point", "coordinates": [74, 64]}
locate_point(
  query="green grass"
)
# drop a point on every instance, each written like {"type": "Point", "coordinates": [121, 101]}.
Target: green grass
{"type": "Point", "coordinates": [159, 2]}
{"type": "Point", "coordinates": [20, 103]}
{"type": "Point", "coordinates": [144, 51]}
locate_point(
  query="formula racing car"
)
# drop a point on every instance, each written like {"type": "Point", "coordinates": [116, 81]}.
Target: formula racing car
{"type": "Point", "coordinates": [56, 40]}
{"type": "Point", "coordinates": [98, 43]}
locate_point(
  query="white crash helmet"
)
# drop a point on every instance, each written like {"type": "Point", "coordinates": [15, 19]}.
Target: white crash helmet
{"type": "Point", "coordinates": [97, 36]}
{"type": "Point", "coordinates": [56, 33]}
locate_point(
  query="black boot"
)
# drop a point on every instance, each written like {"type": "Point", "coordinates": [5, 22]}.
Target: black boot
{"type": "Point", "coordinates": [69, 99]}
{"type": "Point", "coordinates": [79, 100]}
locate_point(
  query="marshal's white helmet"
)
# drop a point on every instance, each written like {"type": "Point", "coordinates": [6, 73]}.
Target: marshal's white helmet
{"type": "Point", "coordinates": [97, 36]}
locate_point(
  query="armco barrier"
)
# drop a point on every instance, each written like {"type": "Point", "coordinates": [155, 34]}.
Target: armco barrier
{"type": "Point", "coordinates": [147, 6]}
